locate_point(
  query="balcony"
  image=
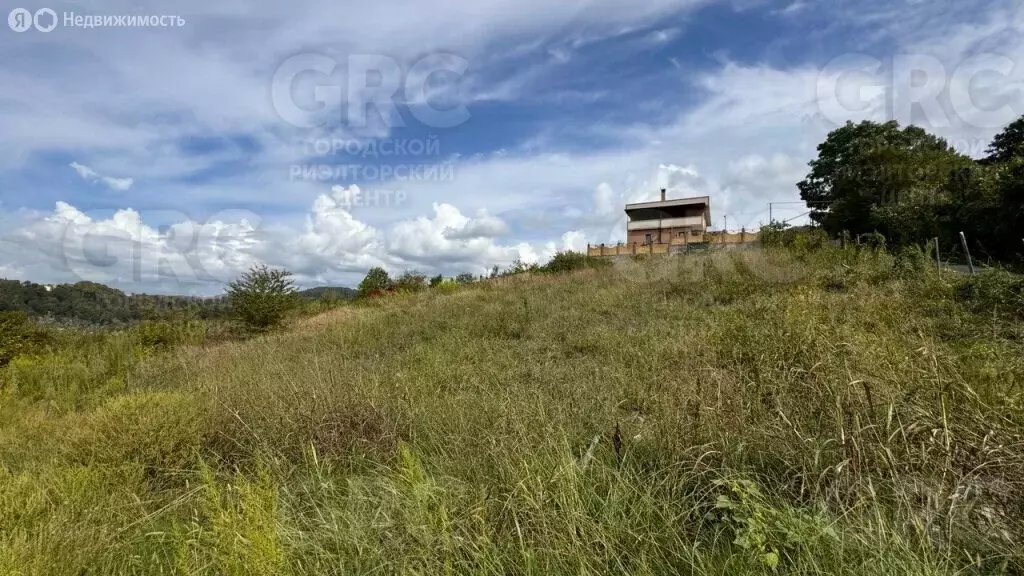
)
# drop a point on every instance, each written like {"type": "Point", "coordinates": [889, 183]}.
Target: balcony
{"type": "Point", "coordinates": [685, 222]}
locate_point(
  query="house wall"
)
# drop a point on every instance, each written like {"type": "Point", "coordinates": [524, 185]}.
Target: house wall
{"type": "Point", "coordinates": [663, 236]}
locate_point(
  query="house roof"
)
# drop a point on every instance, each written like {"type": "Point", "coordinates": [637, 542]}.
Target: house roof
{"type": "Point", "coordinates": [698, 200]}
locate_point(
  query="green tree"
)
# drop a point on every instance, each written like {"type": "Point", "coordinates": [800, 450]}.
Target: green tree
{"type": "Point", "coordinates": [262, 297]}
{"type": "Point", "coordinates": [411, 281]}
{"type": "Point", "coordinates": [1010, 227]}
{"type": "Point", "coordinates": [878, 177]}
{"type": "Point", "coordinates": [465, 278]}
{"type": "Point", "coordinates": [376, 280]}
{"type": "Point", "coordinates": [436, 281]}
{"type": "Point", "coordinates": [1007, 144]}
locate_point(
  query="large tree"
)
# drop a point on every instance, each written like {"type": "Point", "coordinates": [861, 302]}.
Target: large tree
{"type": "Point", "coordinates": [880, 177]}
{"type": "Point", "coordinates": [1007, 144]}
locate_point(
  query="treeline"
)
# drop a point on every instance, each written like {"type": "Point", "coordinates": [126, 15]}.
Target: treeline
{"type": "Point", "coordinates": [89, 303]}
{"type": "Point", "coordinates": [911, 187]}
{"type": "Point", "coordinates": [378, 282]}
{"type": "Point", "coordinates": [96, 304]}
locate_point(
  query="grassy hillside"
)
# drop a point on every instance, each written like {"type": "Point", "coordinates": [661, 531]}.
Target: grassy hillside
{"type": "Point", "coordinates": [835, 412]}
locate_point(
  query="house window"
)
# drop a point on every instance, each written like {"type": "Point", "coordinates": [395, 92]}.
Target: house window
{"type": "Point", "coordinates": [648, 239]}
{"type": "Point", "coordinates": [694, 232]}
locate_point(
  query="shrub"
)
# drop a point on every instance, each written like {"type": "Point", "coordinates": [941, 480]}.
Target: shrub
{"type": "Point", "coordinates": [802, 238]}
{"type": "Point", "coordinates": [568, 261]}
{"type": "Point", "coordinates": [465, 278]}
{"type": "Point", "coordinates": [163, 334]}
{"type": "Point", "coordinates": [518, 267]}
{"type": "Point", "coordinates": [993, 292]}
{"type": "Point", "coordinates": [161, 430]}
{"type": "Point", "coordinates": [376, 280]}
{"type": "Point", "coordinates": [262, 297]}
{"type": "Point", "coordinates": [436, 280]}
{"type": "Point", "coordinates": [411, 281]}
{"type": "Point", "coordinates": [19, 335]}
{"type": "Point", "coordinates": [773, 234]}
{"type": "Point", "coordinates": [447, 286]}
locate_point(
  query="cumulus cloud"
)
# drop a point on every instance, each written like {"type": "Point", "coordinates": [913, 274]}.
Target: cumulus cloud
{"type": "Point", "coordinates": [745, 140]}
{"type": "Point", "coordinates": [90, 175]}
{"type": "Point", "coordinates": [483, 225]}
{"type": "Point", "coordinates": [123, 250]}
{"type": "Point", "coordinates": [331, 246]}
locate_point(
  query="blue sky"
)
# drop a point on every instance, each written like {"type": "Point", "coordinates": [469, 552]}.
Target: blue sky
{"type": "Point", "coordinates": [159, 158]}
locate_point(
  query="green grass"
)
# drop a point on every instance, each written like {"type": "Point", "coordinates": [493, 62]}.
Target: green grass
{"type": "Point", "coordinates": [834, 412]}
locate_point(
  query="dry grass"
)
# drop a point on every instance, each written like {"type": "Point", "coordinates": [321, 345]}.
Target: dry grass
{"type": "Point", "coordinates": [730, 413]}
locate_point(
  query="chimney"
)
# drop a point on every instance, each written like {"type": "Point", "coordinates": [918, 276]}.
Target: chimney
{"type": "Point", "coordinates": [662, 194]}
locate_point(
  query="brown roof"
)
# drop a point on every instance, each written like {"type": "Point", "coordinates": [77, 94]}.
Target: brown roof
{"type": "Point", "coordinates": [705, 200]}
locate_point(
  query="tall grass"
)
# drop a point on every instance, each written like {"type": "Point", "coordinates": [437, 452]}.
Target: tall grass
{"type": "Point", "coordinates": [830, 411]}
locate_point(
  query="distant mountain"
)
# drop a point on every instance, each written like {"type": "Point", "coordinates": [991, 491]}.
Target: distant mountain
{"type": "Point", "coordinates": [326, 291]}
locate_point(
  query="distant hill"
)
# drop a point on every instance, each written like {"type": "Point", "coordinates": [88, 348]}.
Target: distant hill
{"type": "Point", "coordinates": [336, 291]}
{"type": "Point", "coordinates": [96, 304]}
{"type": "Point", "coordinates": [92, 303]}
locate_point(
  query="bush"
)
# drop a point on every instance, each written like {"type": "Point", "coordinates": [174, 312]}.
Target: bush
{"type": "Point", "coordinates": [262, 297]}
{"type": "Point", "coordinates": [801, 238]}
{"type": "Point", "coordinates": [465, 278]}
{"type": "Point", "coordinates": [568, 261]}
{"type": "Point", "coordinates": [447, 286]}
{"type": "Point", "coordinates": [163, 334]}
{"type": "Point", "coordinates": [19, 335]}
{"type": "Point", "coordinates": [160, 430]}
{"type": "Point", "coordinates": [436, 280]}
{"type": "Point", "coordinates": [376, 281]}
{"type": "Point", "coordinates": [411, 281]}
{"type": "Point", "coordinates": [993, 292]}
{"type": "Point", "coordinates": [773, 235]}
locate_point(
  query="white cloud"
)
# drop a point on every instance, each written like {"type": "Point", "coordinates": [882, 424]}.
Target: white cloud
{"type": "Point", "coordinates": [90, 175]}
{"type": "Point", "coordinates": [332, 246]}
{"type": "Point", "coordinates": [746, 142]}
{"type": "Point", "coordinates": [483, 225]}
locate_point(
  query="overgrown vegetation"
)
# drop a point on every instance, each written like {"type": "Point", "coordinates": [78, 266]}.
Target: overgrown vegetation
{"type": "Point", "coordinates": [912, 187]}
{"type": "Point", "coordinates": [806, 410]}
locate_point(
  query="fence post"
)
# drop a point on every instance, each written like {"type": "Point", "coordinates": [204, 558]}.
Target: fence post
{"type": "Point", "coordinates": [963, 242]}
{"type": "Point", "coordinates": [938, 260]}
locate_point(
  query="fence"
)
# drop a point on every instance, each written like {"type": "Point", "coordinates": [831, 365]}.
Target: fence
{"type": "Point", "coordinates": [682, 244]}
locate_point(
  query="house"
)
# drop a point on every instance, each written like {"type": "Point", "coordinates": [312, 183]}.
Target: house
{"type": "Point", "coordinates": [668, 221]}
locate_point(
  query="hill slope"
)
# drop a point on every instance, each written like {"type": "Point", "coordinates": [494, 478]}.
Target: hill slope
{"type": "Point", "coordinates": [837, 412]}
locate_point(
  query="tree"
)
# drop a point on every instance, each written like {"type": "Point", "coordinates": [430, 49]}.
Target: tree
{"type": "Point", "coordinates": [262, 297]}
{"type": "Point", "coordinates": [465, 278]}
{"type": "Point", "coordinates": [411, 281]}
{"type": "Point", "coordinates": [1010, 226]}
{"type": "Point", "coordinates": [1007, 144]}
{"type": "Point", "coordinates": [436, 281]}
{"type": "Point", "coordinates": [376, 280]}
{"type": "Point", "coordinates": [878, 177]}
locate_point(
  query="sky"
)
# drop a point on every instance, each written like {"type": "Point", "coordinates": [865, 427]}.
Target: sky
{"type": "Point", "coordinates": [168, 147]}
